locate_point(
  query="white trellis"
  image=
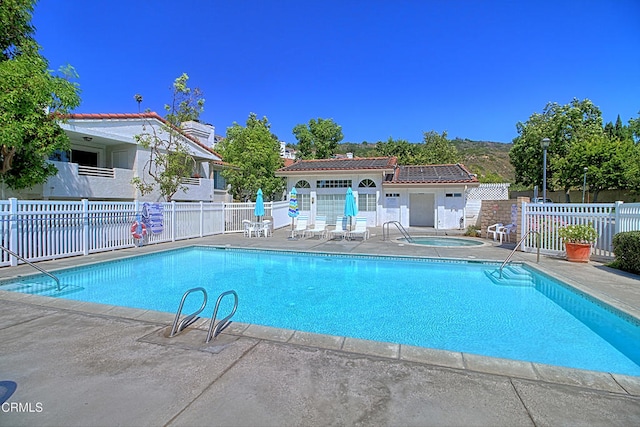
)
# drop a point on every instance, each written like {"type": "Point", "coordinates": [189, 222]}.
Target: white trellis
{"type": "Point", "coordinates": [489, 192]}
{"type": "Point", "coordinates": [476, 195]}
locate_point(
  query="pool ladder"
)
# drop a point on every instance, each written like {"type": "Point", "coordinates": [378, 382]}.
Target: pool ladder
{"type": "Point", "coordinates": [506, 261]}
{"type": "Point", "coordinates": [214, 328]}
{"type": "Point", "coordinates": [400, 228]}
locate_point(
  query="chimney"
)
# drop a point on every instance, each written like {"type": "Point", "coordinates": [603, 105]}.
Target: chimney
{"type": "Point", "coordinates": [204, 133]}
{"type": "Point", "coordinates": [349, 155]}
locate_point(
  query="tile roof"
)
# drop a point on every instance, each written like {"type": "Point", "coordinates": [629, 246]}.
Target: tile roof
{"type": "Point", "coordinates": [364, 163]}
{"type": "Point", "coordinates": [421, 174]}
{"type": "Point", "coordinates": [149, 115]}
{"type": "Point", "coordinates": [432, 174]}
{"type": "Point", "coordinates": [101, 116]}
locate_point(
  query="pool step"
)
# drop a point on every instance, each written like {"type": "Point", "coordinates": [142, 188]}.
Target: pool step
{"type": "Point", "coordinates": [43, 289]}
{"type": "Point", "coordinates": [512, 275]}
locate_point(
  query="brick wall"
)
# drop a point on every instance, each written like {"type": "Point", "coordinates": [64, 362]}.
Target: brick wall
{"type": "Point", "coordinates": [494, 211]}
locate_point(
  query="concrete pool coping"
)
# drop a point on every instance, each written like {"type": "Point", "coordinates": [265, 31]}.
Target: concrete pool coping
{"type": "Point", "coordinates": [595, 279]}
{"type": "Point", "coordinates": [479, 242]}
{"type": "Point", "coordinates": [610, 382]}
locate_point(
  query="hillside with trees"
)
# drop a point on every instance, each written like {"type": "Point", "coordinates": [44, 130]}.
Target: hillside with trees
{"type": "Point", "coordinates": [489, 160]}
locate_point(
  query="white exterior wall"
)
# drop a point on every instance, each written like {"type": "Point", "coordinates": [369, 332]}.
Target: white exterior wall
{"type": "Point", "coordinates": [314, 192]}
{"type": "Point", "coordinates": [114, 143]}
{"type": "Point", "coordinates": [67, 183]}
{"type": "Point", "coordinates": [448, 212]}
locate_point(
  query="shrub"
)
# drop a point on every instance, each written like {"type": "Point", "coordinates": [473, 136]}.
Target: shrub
{"type": "Point", "coordinates": [626, 248]}
{"type": "Point", "coordinates": [473, 231]}
{"type": "Point", "coordinates": [578, 233]}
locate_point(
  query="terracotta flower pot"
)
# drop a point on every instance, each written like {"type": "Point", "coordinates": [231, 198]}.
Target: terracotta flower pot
{"type": "Point", "coordinates": [578, 252]}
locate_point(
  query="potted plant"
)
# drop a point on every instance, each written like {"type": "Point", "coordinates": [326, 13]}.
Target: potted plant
{"type": "Point", "coordinates": [578, 239]}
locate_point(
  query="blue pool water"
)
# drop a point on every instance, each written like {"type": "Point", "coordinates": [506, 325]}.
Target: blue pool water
{"type": "Point", "coordinates": [450, 305]}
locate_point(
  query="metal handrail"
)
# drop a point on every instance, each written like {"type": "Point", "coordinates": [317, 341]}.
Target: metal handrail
{"type": "Point", "coordinates": [176, 328]}
{"type": "Point", "coordinates": [10, 252]}
{"type": "Point", "coordinates": [516, 248]}
{"type": "Point", "coordinates": [400, 228]}
{"type": "Point", "coordinates": [223, 323]}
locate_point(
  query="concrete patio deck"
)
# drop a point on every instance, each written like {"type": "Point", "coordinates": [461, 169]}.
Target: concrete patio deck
{"type": "Point", "coordinates": [83, 364]}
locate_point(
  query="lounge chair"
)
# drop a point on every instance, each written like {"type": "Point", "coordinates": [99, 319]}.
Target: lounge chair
{"type": "Point", "coordinates": [320, 227]}
{"type": "Point", "coordinates": [360, 230]}
{"type": "Point", "coordinates": [340, 229]}
{"type": "Point", "coordinates": [301, 226]}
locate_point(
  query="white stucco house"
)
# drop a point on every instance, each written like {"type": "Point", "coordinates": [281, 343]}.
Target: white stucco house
{"type": "Point", "coordinates": [104, 157]}
{"type": "Point", "coordinates": [417, 196]}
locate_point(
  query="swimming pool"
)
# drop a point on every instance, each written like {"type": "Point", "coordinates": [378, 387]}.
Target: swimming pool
{"type": "Point", "coordinates": [446, 242]}
{"type": "Point", "coordinates": [445, 304]}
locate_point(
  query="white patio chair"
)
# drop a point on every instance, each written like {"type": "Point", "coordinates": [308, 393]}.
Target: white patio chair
{"type": "Point", "coordinates": [265, 228]}
{"type": "Point", "coordinates": [493, 229]}
{"type": "Point", "coordinates": [301, 226]}
{"type": "Point", "coordinates": [506, 231]}
{"type": "Point", "coordinates": [249, 228]}
{"type": "Point", "coordinates": [360, 230]}
{"type": "Point", "coordinates": [340, 229]}
{"type": "Point", "coordinates": [320, 227]}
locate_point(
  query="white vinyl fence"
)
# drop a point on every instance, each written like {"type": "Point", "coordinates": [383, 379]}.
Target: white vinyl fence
{"type": "Point", "coordinates": [41, 230]}
{"type": "Point", "coordinates": [607, 218]}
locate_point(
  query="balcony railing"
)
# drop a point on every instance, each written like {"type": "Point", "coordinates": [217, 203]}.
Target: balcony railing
{"type": "Point", "coordinates": [97, 172]}
{"type": "Point", "coordinates": [191, 181]}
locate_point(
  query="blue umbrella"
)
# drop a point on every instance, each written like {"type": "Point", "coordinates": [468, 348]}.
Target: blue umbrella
{"type": "Point", "coordinates": [293, 207]}
{"type": "Point", "coordinates": [350, 208]}
{"type": "Point", "coordinates": [259, 209]}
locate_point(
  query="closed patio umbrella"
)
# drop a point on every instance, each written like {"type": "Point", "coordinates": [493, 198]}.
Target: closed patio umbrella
{"type": "Point", "coordinates": [259, 209]}
{"type": "Point", "coordinates": [293, 208]}
{"type": "Point", "coordinates": [350, 208]}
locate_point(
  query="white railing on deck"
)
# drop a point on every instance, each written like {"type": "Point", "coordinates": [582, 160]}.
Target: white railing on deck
{"type": "Point", "coordinates": [42, 230]}
{"type": "Point", "coordinates": [99, 172]}
{"type": "Point", "coordinates": [190, 181]}
{"type": "Point", "coordinates": [607, 218]}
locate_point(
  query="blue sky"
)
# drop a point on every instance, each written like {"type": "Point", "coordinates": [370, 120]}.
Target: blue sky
{"type": "Point", "coordinates": [379, 69]}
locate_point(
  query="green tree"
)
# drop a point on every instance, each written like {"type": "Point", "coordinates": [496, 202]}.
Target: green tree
{"type": "Point", "coordinates": [254, 153]}
{"type": "Point", "coordinates": [319, 139]}
{"type": "Point", "coordinates": [32, 101]}
{"type": "Point", "coordinates": [490, 178]}
{"type": "Point", "coordinates": [618, 131]}
{"type": "Point", "coordinates": [438, 149]}
{"type": "Point", "coordinates": [16, 30]}
{"type": "Point", "coordinates": [633, 172]}
{"type": "Point", "coordinates": [607, 161]}
{"type": "Point", "coordinates": [435, 149]}
{"type": "Point", "coordinates": [170, 160]}
{"type": "Point", "coordinates": [634, 128]}
{"type": "Point", "coordinates": [564, 125]}
{"type": "Point", "coordinates": [403, 150]}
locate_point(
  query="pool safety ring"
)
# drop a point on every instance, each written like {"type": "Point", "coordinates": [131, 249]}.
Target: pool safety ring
{"type": "Point", "coordinates": [138, 230]}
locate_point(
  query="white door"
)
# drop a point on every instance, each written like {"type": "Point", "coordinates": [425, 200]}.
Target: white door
{"type": "Point", "coordinates": [421, 210]}
{"type": "Point", "coordinates": [330, 205]}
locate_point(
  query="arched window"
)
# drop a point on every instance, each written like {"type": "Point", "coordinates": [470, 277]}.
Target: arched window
{"type": "Point", "coordinates": [367, 183]}
{"type": "Point", "coordinates": [367, 195]}
{"type": "Point", "coordinates": [304, 198]}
